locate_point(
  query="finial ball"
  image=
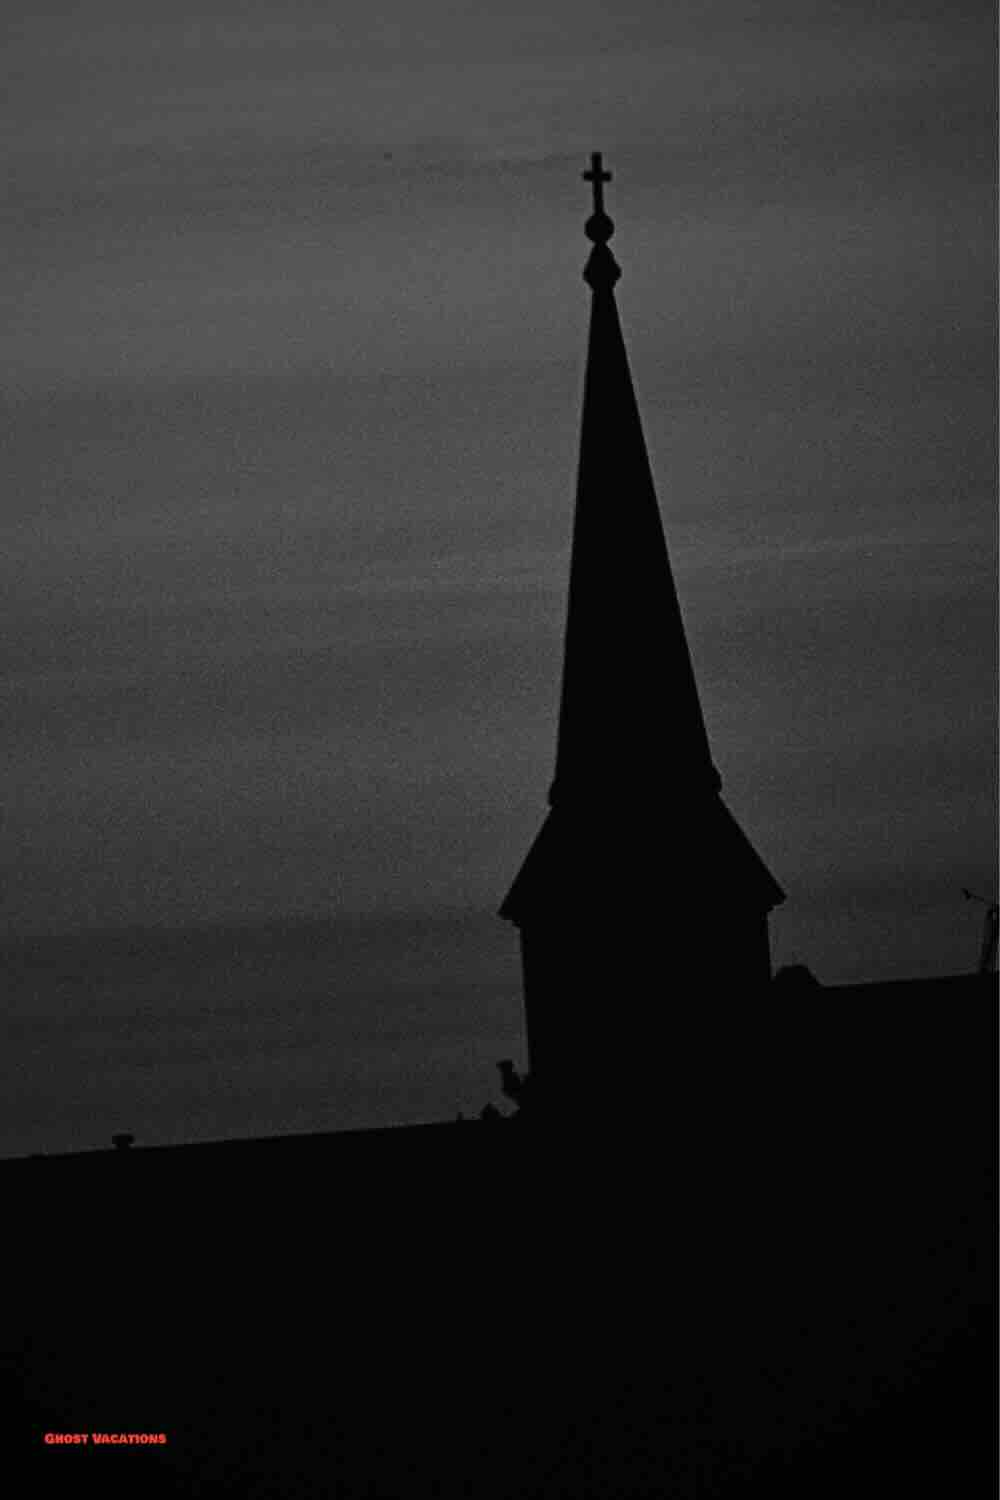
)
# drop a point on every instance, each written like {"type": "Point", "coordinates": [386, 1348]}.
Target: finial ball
{"type": "Point", "coordinates": [599, 228]}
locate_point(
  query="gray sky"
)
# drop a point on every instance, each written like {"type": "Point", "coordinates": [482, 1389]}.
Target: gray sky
{"type": "Point", "coordinates": [294, 329]}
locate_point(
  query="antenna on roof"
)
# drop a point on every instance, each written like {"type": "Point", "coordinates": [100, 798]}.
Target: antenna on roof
{"type": "Point", "coordinates": [991, 921]}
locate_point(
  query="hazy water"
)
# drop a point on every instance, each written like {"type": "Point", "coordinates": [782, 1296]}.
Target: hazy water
{"type": "Point", "coordinates": [197, 1034]}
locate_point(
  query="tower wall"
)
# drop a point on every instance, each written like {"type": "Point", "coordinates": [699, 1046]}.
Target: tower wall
{"type": "Point", "coordinates": [632, 1016]}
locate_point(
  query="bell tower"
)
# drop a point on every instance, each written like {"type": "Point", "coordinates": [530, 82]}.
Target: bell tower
{"type": "Point", "coordinates": [642, 907]}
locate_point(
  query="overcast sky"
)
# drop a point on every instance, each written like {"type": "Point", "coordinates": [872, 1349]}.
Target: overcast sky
{"type": "Point", "coordinates": [294, 327]}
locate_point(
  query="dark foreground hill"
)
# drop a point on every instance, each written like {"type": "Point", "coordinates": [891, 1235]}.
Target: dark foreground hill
{"type": "Point", "coordinates": [784, 1288]}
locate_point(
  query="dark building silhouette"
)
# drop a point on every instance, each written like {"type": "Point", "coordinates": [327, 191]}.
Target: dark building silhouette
{"type": "Point", "coordinates": [641, 895]}
{"type": "Point", "coordinates": [760, 1260]}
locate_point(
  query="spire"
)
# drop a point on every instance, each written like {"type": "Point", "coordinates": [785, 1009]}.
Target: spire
{"type": "Point", "coordinates": [636, 821]}
{"type": "Point", "coordinates": [630, 721]}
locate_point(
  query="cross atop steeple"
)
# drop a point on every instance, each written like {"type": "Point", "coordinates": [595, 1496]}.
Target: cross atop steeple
{"type": "Point", "coordinates": [599, 228]}
{"type": "Point", "coordinates": [598, 177]}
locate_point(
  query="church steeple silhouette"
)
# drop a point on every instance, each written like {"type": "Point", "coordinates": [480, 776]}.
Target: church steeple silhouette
{"type": "Point", "coordinates": [641, 897]}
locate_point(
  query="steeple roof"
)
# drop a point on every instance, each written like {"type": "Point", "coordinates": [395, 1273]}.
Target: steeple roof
{"type": "Point", "coordinates": [631, 731]}
{"type": "Point", "coordinates": [630, 711]}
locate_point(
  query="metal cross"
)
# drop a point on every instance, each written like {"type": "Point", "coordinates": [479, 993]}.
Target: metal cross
{"type": "Point", "coordinates": [598, 177]}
